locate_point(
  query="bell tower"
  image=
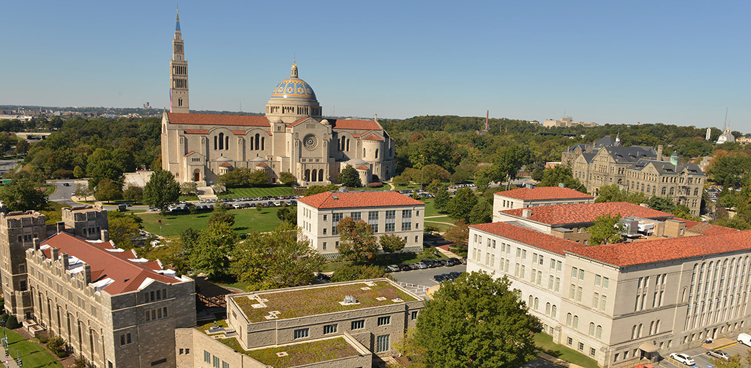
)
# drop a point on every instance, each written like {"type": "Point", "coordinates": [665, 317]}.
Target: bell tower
{"type": "Point", "coordinates": [178, 73]}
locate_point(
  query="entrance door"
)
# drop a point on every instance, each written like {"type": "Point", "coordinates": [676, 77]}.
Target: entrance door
{"type": "Point", "coordinates": [196, 176]}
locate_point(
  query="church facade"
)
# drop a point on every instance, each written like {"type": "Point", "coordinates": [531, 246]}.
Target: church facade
{"type": "Point", "coordinates": [292, 136]}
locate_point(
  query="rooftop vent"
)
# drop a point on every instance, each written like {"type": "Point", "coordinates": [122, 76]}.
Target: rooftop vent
{"type": "Point", "coordinates": [349, 300]}
{"type": "Point", "coordinates": [282, 354]}
{"type": "Point", "coordinates": [370, 283]}
{"type": "Point", "coordinates": [335, 197]}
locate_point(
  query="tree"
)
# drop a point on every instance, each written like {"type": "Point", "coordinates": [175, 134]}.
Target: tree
{"type": "Point", "coordinates": [661, 204]}
{"type": "Point", "coordinates": [481, 213]}
{"type": "Point", "coordinates": [285, 214]}
{"type": "Point", "coordinates": [221, 214]}
{"type": "Point", "coordinates": [537, 173]}
{"type": "Point", "coordinates": [442, 198]}
{"type": "Point", "coordinates": [287, 178]}
{"type": "Point", "coordinates": [23, 195]}
{"type": "Point", "coordinates": [162, 189]}
{"type": "Point", "coordinates": [358, 272]}
{"type": "Point", "coordinates": [258, 177]}
{"type": "Point", "coordinates": [83, 191]}
{"type": "Point", "coordinates": [391, 243]}
{"type": "Point", "coordinates": [349, 177]}
{"type": "Point", "coordinates": [461, 205]}
{"type": "Point", "coordinates": [123, 229]}
{"type": "Point", "coordinates": [357, 242]}
{"type": "Point", "coordinates": [78, 172]}
{"type": "Point", "coordinates": [400, 180]}
{"type": "Point", "coordinates": [606, 230]}
{"type": "Point", "coordinates": [476, 321]}
{"type": "Point", "coordinates": [459, 234]}
{"type": "Point", "coordinates": [316, 189]}
{"type": "Point", "coordinates": [275, 260]}
{"type": "Point", "coordinates": [210, 254]}
{"type": "Point", "coordinates": [508, 162]}
{"type": "Point", "coordinates": [133, 193]}
{"type": "Point", "coordinates": [561, 174]}
{"type": "Point", "coordinates": [434, 172]}
{"type": "Point", "coordinates": [102, 166]}
{"type": "Point", "coordinates": [107, 190]}
{"type": "Point", "coordinates": [613, 193]}
{"type": "Point", "coordinates": [22, 147]}
{"type": "Point", "coordinates": [188, 188]}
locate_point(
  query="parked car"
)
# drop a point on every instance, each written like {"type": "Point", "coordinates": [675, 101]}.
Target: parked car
{"type": "Point", "coordinates": [440, 262]}
{"type": "Point", "coordinates": [455, 274]}
{"type": "Point", "coordinates": [404, 267]}
{"type": "Point", "coordinates": [718, 354]}
{"type": "Point", "coordinates": [421, 265]}
{"type": "Point", "coordinates": [428, 263]}
{"type": "Point", "coordinates": [414, 266]}
{"type": "Point", "coordinates": [438, 278]}
{"type": "Point", "coordinates": [683, 358]}
{"type": "Point", "coordinates": [452, 262]}
{"type": "Point", "coordinates": [393, 268]}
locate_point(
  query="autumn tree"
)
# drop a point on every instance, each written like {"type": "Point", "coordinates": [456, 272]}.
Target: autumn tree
{"type": "Point", "coordinates": [357, 242]}
{"type": "Point", "coordinates": [606, 230]}
{"type": "Point", "coordinates": [459, 234]}
{"type": "Point", "coordinates": [391, 243]}
{"type": "Point", "coordinates": [476, 321]}
{"type": "Point", "coordinates": [275, 260]}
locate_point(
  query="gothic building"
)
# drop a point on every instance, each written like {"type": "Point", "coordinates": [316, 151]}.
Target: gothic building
{"type": "Point", "coordinates": [293, 136]}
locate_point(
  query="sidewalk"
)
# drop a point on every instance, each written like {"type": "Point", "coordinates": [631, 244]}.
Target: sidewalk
{"type": "Point", "coordinates": [10, 361]}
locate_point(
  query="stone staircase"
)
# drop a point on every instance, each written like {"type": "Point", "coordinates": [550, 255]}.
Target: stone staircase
{"type": "Point", "coordinates": [206, 193]}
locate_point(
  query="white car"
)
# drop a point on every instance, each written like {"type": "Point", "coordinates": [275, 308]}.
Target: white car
{"type": "Point", "coordinates": [683, 358]}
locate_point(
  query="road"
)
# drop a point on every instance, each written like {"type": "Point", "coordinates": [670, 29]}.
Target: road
{"type": "Point", "coordinates": [8, 165]}
{"type": "Point", "coordinates": [63, 193]}
{"type": "Point", "coordinates": [425, 277]}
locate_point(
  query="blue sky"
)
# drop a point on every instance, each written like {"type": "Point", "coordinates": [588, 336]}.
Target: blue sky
{"type": "Point", "coordinates": [676, 62]}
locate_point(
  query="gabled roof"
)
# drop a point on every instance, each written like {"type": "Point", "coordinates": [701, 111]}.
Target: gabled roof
{"type": "Point", "coordinates": [359, 199]}
{"type": "Point", "coordinates": [107, 261]}
{"type": "Point", "coordinates": [373, 137]}
{"type": "Point", "coordinates": [605, 141]}
{"type": "Point", "coordinates": [225, 164]}
{"type": "Point", "coordinates": [355, 124]}
{"type": "Point", "coordinates": [629, 154]}
{"type": "Point", "coordinates": [298, 122]}
{"type": "Point", "coordinates": [189, 153]}
{"type": "Point", "coordinates": [527, 236]}
{"type": "Point", "coordinates": [563, 214]}
{"type": "Point", "coordinates": [214, 119]}
{"type": "Point", "coordinates": [363, 167]}
{"type": "Point", "coordinates": [667, 168]}
{"type": "Point", "coordinates": [543, 193]}
{"type": "Point", "coordinates": [650, 251]}
{"type": "Point", "coordinates": [705, 228]}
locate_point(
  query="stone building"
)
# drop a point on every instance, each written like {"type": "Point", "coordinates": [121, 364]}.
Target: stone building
{"type": "Point", "coordinates": [539, 196]}
{"type": "Point", "coordinates": [621, 302]}
{"type": "Point", "coordinates": [346, 324]}
{"type": "Point", "coordinates": [386, 212]}
{"type": "Point", "coordinates": [293, 136]}
{"type": "Point", "coordinates": [110, 306]}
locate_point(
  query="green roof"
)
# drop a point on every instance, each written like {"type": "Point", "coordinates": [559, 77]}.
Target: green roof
{"type": "Point", "coordinates": [308, 301]}
{"type": "Point", "coordinates": [299, 354]}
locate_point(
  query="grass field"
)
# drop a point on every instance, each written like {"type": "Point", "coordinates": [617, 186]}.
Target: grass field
{"type": "Point", "coordinates": [545, 343]}
{"type": "Point", "coordinates": [33, 355]}
{"type": "Point", "coordinates": [246, 220]}
{"type": "Point", "coordinates": [256, 192]}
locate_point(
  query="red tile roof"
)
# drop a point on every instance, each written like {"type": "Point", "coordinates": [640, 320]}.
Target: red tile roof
{"type": "Point", "coordinates": [355, 124]}
{"type": "Point", "coordinates": [359, 199]}
{"type": "Point", "coordinates": [578, 213]}
{"type": "Point", "coordinates": [225, 164]}
{"type": "Point", "coordinates": [705, 228]}
{"type": "Point", "coordinates": [298, 122]}
{"type": "Point", "coordinates": [650, 251]}
{"type": "Point", "coordinates": [239, 132]}
{"type": "Point", "coordinates": [128, 276]}
{"type": "Point", "coordinates": [373, 137]}
{"type": "Point", "coordinates": [528, 236]}
{"type": "Point", "coordinates": [196, 131]}
{"type": "Point", "coordinates": [213, 119]}
{"type": "Point", "coordinates": [362, 167]}
{"type": "Point", "coordinates": [543, 193]}
{"type": "Point", "coordinates": [189, 153]}
{"type": "Point", "coordinates": [263, 164]}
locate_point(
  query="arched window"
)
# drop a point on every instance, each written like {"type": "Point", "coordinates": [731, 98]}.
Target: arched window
{"type": "Point", "coordinates": [591, 329]}
{"type": "Point", "coordinates": [537, 303]}
{"type": "Point", "coordinates": [376, 153]}
{"type": "Point", "coordinates": [576, 322]}
{"type": "Point", "coordinates": [215, 145]}
{"type": "Point", "coordinates": [530, 301]}
{"type": "Point", "coordinates": [672, 191]}
{"type": "Point", "coordinates": [633, 332]}
{"type": "Point", "coordinates": [320, 174]}
{"type": "Point", "coordinates": [257, 141]}
{"type": "Point", "coordinates": [639, 331]}
{"type": "Point", "coordinates": [599, 332]}
{"type": "Point", "coordinates": [221, 141]}
{"type": "Point", "coordinates": [568, 319]}
{"type": "Point", "coordinates": [347, 144]}
{"type": "Point", "coordinates": [363, 153]}
{"type": "Point", "coordinates": [307, 175]}
{"type": "Point", "coordinates": [263, 143]}
{"type": "Point", "coordinates": [657, 327]}
{"type": "Point", "coordinates": [315, 175]}
{"type": "Point", "coordinates": [226, 142]}
{"type": "Point", "coordinates": [553, 311]}
{"type": "Point", "coordinates": [547, 309]}
{"type": "Point", "coordinates": [651, 327]}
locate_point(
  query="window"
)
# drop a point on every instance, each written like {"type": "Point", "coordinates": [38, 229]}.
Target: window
{"type": "Point", "coordinates": [568, 320]}
{"type": "Point", "coordinates": [382, 321]}
{"type": "Point", "coordinates": [574, 273]}
{"type": "Point", "coordinates": [579, 294]}
{"type": "Point", "coordinates": [581, 346]}
{"type": "Point", "coordinates": [414, 315]}
{"type": "Point", "coordinates": [596, 301]}
{"type": "Point", "coordinates": [383, 343]}
{"type": "Point", "coordinates": [358, 325]}
{"type": "Point", "coordinates": [599, 332]}
{"type": "Point", "coordinates": [356, 216]}
{"type": "Point", "coordinates": [592, 351]}
{"type": "Point", "coordinates": [560, 265]}
{"type": "Point", "coordinates": [216, 362]}
{"type": "Point", "coordinates": [406, 226]}
{"type": "Point", "coordinates": [329, 329]}
{"type": "Point", "coordinates": [557, 284]}
{"type": "Point", "coordinates": [324, 244]}
{"type": "Point", "coordinates": [598, 280]}
{"type": "Point", "coordinates": [225, 364]}
{"type": "Point", "coordinates": [603, 302]}
{"type": "Point", "coordinates": [569, 341]}
{"type": "Point", "coordinates": [581, 274]}
{"type": "Point", "coordinates": [301, 333]}
{"type": "Point", "coordinates": [576, 322]}
{"type": "Point", "coordinates": [605, 282]}
{"type": "Point", "coordinates": [591, 329]}
{"type": "Point", "coordinates": [572, 293]}
{"type": "Point", "coordinates": [206, 357]}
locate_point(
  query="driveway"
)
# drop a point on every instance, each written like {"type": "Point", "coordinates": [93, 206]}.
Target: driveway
{"type": "Point", "coordinates": [425, 277]}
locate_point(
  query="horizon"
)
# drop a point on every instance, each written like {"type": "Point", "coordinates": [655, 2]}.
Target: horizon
{"type": "Point", "coordinates": [678, 63]}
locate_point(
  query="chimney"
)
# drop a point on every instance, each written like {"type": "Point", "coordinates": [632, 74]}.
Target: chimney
{"type": "Point", "coordinates": [36, 243]}
{"type": "Point", "coordinates": [59, 227]}
{"type": "Point", "coordinates": [105, 235]}
{"type": "Point", "coordinates": [64, 259]}
{"type": "Point", "coordinates": [87, 273]}
{"type": "Point", "coordinates": [53, 253]}
{"type": "Point", "coordinates": [526, 212]}
{"type": "Point", "coordinates": [659, 153]}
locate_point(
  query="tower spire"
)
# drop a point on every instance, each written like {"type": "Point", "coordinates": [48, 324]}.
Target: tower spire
{"type": "Point", "coordinates": [178, 73]}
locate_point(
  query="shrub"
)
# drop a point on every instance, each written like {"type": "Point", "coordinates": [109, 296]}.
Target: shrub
{"type": "Point", "coordinates": [43, 338]}
{"type": "Point", "coordinates": [57, 346]}
{"type": "Point", "coordinates": [61, 354]}
{"type": "Point", "coordinates": [375, 184]}
{"type": "Point", "coordinates": [80, 362]}
{"type": "Point", "coordinates": [12, 323]}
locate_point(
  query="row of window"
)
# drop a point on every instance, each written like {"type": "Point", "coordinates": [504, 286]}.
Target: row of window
{"type": "Point", "coordinates": [154, 295]}
{"type": "Point", "coordinates": [372, 215]}
{"type": "Point", "coordinates": [154, 314]}
{"type": "Point", "coordinates": [214, 361]}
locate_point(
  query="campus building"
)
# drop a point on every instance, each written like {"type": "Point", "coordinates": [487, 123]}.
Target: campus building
{"type": "Point", "coordinates": [110, 306]}
{"type": "Point", "coordinates": [346, 324]}
{"type": "Point", "coordinates": [637, 169]}
{"type": "Point", "coordinates": [535, 197]}
{"type": "Point", "coordinates": [292, 136]}
{"type": "Point", "coordinates": [670, 286]}
{"type": "Point", "coordinates": [386, 212]}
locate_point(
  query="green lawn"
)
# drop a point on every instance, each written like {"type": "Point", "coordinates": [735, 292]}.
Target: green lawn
{"type": "Point", "coordinates": [33, 355]}
{"type": "Point", "coordinates": [545, 343]}
{"type": "Point", "coordinates": [246, 220]}
{"type": "Point", "coordinates": [257, 192]}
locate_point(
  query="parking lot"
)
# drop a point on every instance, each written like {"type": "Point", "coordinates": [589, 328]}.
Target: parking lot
{"type": "Point", "coordinates": [701, 358]}
{"type": "Point", "coordinates": [425, 277]}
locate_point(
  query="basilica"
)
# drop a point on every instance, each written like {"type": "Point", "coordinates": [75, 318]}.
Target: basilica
{"type": "Point", "coordinates": [291, 137]}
